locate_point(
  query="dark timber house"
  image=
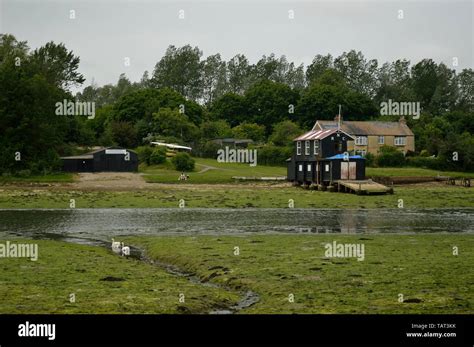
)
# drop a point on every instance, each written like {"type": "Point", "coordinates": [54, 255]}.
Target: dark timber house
{"type": "Point", "coordinates": [115, 159]}
{"type": "Point", "coordinates": [321, 157]}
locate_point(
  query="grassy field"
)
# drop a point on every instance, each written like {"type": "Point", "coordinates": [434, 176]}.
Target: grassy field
{"type": "Point", "coordinates": [210, 171]}
{"type": "Point", "coordinates": [237, 196]}
{"type": "Point", "coordinates": [45, 285]}
{"type": "Point", "coordinates": [52, 178]}
{"type": "Point", "coordinates": [421, 268]}
{"type": "Point", "coordinates": [223, 172]}
{"type": "Point", "coordinates": [277, 267]}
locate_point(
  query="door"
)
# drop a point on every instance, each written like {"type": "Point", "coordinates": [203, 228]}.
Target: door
{"type": "Point", "coordinates": [352, 170]}
{"type": "Point", "coordinates": [344, 170]}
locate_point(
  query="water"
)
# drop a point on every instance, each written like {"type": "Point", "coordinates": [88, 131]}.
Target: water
{"type": "Point", "coordinates": [102, 224]}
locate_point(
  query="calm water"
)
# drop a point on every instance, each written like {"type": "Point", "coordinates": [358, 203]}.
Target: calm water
{"type": "Point", "coordinates": [101, 224]}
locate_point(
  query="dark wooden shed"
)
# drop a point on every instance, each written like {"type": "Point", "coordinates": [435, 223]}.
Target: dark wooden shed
{"type": "Point", "coordinates": [321, 157]}
{"type": "Point", "coordinates": [115, 159]}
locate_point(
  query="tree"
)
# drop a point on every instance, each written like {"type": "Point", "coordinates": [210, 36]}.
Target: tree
{"type": "Point", "coordinates": [215, 129]}
{"type": "Point", "coordinates": [124, 134]}
{"type": "Point", "coordinates": [58, 65]}
{"type": "Point", "coordinates": [158, 156]}
{"type": "Point", "coordinates": [251, 131]}
{"type": "Point", "coordinates": [180, 69]}
{"type": "Point", "coordinates": [214, 78]}
{"type": "Point", "coordinates": [270, 102]}
{"type": "Point", "coordinates": [168, 122]}
{"type": "Point", "coordinates": [182, 161]}
{"type": "Point", "coordinates": [318, 66]}
{"type": "Point", "coordinates": [238, 70]}
{"type": "Point", "coordinates": [230, 107]}
{"type": "Point", "coordinates": [284, 133]}
{"type": "Point", "coordinates": [359, 74]}
{"type": "Point", "coordinates": [466, 90]}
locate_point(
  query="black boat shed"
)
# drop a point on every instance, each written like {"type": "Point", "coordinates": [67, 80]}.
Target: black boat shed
{"type": "Point", "coordinates": [115, 159]}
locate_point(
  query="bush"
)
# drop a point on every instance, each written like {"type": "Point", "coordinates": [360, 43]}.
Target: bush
{"type": "Point", "coordinates": [182, 161]}
{"type": "Point", "coordinates": [429, 163]}
{"type": "Point", "coordinates": [390, 157]}
{"type": "Point", "coordinates": [144, 154]}
{"type": "Point", "coordinates": [273, 155]}
{"type": "Point", "coordinates": [369, 160]}
{"type": "Point", "coordinates": [158, 156]}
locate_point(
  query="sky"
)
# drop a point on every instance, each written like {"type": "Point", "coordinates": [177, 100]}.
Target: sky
{"type": "Point", "coordinates": [130, 36]}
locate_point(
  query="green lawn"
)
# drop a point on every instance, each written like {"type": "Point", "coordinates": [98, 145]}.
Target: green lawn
{"type": "Point", "coordinates": [411, 171]}
{"type": "Point", "coordinates": [219, 173]}
{"type": "Point", "coordinates": [63, 177]}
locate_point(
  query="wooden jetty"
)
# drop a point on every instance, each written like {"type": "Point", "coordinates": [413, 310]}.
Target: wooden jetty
{"type": "Point", "coordinates": [360, 187]}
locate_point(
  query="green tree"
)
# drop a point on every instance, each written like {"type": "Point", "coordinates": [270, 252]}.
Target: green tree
{"type": "Point", "coordinates": [180, 69]}
{"type": "Point", "coordinates": [230, 107]}
{"type": "Point", "coordinates": [182, 161]}
{"type": "Point", "coordinates": [251, 131]}
{"type": "Point", "coordinates": [284, 133]}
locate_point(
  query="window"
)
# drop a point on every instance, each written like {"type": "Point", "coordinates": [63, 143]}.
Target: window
{"type": "Point", "coordinates": [316, 147]}
{"type": "Point", "coordinates": [307, 148]}
{"type": "Point", "coordinates": [399, 141]}
{"type": "Point", "coordinates": [326, 168]}
{"type": "Point", "coordinates": [381, 140]}
{"type": "Point", "coordinates": [338, 147]}
{"type": "Point", "coordinates": [361, 152]}
{"type": "Point", "coordinates": [300, 167]}
{"type": "Point", "coordinates": [309, 167]}
{"type": "Point", "coordinates": [298, 148]}
{"type": "Point", "coordinates": [361, 140]}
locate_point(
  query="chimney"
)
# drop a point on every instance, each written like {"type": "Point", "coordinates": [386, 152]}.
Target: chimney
{"type": "Point", "coordinates": [402, 120]}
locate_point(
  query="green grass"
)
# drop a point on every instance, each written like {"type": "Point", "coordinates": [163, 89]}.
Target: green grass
{"type": "Point", "coordinates": [275, 266]}
{"type": "Point", "coordinates": [420, 267]}
{"type": "Point", "coordinates": [51, 178]}
{"type": "Point", "coordinates": [222, 173]}
{"type": "Point", "coordinates": [237, 196]}
{"type": "Point", "coordinates": [411, 171]}
{"type": "Point", "coordinates": [45, 285]}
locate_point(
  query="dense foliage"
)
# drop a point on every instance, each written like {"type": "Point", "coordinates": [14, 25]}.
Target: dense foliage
{"type": "Point", "coordinates": [191, 101]}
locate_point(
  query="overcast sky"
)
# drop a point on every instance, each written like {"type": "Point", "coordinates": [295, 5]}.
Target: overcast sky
{"type": "Point", "coordinates": [105, 32]}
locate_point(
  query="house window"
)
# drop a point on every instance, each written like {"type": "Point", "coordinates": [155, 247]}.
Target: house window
{"type": "Point", "coordinates": [307, 148]}
{"type": "Point", "coordinates": [300, 168]}
{"type": "Point", "coordinates": [381, 140]}
{"type": "Point", "coordinates": [298, 148]}
{"type": "Point", "coordinates": [316, 147]}
{"type": "Point", "coordinates": [309, 167]}
{"type": "Point", "coordinates": [361, 152]}
{"type": "Point", "coordinates": [361, 140]}
{"type": "Point", "coordinates": [399, 141]}
{"type": "Point", "coordinates": [326, 168]}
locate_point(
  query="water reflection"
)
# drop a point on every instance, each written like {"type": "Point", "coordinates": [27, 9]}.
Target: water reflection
{"type": "Point", "coordinates": [105, 223]}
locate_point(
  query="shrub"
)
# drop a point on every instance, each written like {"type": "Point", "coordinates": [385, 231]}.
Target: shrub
{"type": "Point", "coordinates": [390, 157]}
{"type": "Point", "coordinates": [369, 160]}
{"type": "Point", "coordinates": [273, 155]}
{"type": "Point", "coordinates": [158, 156]}
{"type": "Point", "coordinates": [144, 154]}
{"type": "Point", "coordinates": [182, 161]}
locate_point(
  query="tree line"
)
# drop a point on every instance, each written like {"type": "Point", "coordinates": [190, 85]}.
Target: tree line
{"type": "Point", "coordinates": [191, 100]}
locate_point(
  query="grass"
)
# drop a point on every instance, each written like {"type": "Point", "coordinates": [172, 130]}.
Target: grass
{"type": "Point", "coordinates": [219, 172]}
{"type": "Point", "coordinates": [237, 196]}
{"type": "Point", "coordinates": [420, 267]}
{"type": "Point", "coordinates": [62, 177]}
{"type": "Point", "coordinates": [45, 285]}
{"type": "Point", "coordinates": [411, 171]}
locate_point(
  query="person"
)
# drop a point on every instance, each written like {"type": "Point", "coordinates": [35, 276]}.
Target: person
{"type": "Point", "coordinates": [182, 177]}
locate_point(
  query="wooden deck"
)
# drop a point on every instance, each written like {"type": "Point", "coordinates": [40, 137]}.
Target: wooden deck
{"type": "Point", "coordinates": [361, 187]}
